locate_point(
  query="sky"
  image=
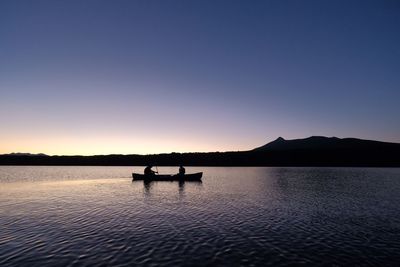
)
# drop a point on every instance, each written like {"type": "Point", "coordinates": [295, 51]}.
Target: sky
{"type": "Point", "coordinates": [141, 77]}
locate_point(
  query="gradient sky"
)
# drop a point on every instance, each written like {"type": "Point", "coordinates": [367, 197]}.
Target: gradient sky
{"type": "Point", "coordinates": [100, 77]}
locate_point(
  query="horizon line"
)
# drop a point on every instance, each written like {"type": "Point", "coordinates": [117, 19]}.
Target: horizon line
{"type": "Point", "coordinates": [174, 152]}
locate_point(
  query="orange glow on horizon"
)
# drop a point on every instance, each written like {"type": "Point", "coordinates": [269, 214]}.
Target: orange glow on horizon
{"type": "Point", "coordinates": [113, 145]}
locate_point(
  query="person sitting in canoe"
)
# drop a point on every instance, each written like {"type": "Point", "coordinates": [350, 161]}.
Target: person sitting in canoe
{"type": "Point", "coordinates": [149, 171]}
{"type": "Point", "coordinates": [181, 170]}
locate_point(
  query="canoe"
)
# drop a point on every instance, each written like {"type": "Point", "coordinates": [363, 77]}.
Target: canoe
{"type": "Point", "coordinates": [168, 177]}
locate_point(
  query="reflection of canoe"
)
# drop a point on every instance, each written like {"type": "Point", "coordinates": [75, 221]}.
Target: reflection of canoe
{"type": "Point", "coordinates": [169, 177]}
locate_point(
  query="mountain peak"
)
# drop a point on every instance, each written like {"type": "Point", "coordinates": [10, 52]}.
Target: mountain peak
{"type": "Point", "coordinates": [319, 143]}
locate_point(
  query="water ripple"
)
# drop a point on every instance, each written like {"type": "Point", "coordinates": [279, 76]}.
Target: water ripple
{"type": "Point", "coordinates": [236, 217]}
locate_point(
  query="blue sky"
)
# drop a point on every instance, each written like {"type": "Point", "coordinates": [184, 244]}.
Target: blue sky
{"type": "Point", "coordinates": [100, 77]}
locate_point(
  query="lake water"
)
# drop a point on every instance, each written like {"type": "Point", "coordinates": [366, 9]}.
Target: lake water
{"type": "Point", "coordinates": [90, 216]}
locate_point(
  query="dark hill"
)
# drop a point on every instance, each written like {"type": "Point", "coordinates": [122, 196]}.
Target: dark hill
{"type": "Point", "coordinates": [25, 154]}
{"type": "Point", "coordinates": [325, 143]}
{"type": "Point", "coordinates": [329, 151]}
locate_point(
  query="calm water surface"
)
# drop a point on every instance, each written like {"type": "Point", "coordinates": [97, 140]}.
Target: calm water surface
{"type": "Point", "coordinates": [90, 216]}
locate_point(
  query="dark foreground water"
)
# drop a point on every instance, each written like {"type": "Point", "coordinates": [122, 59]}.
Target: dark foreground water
{"type": "Point", "coordinates": [91, 216]}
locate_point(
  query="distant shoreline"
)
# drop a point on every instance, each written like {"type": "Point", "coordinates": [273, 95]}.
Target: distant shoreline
{"type": "Point", "coordinates": [228, 159]}
{"type": "Point", "coordinates": [205, 166]}
{"type": "Point", "coordinates": [315, 151]}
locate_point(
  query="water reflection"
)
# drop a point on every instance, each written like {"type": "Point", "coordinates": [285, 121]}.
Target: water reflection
{"type": "Point", "coordinates": [181, 188]}
{"type": "Point", "coordinates": [148, 186]}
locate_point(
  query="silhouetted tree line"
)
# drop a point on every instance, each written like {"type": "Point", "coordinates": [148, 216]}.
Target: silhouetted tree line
{"type": "Point", "coordinates": [388, 157]}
